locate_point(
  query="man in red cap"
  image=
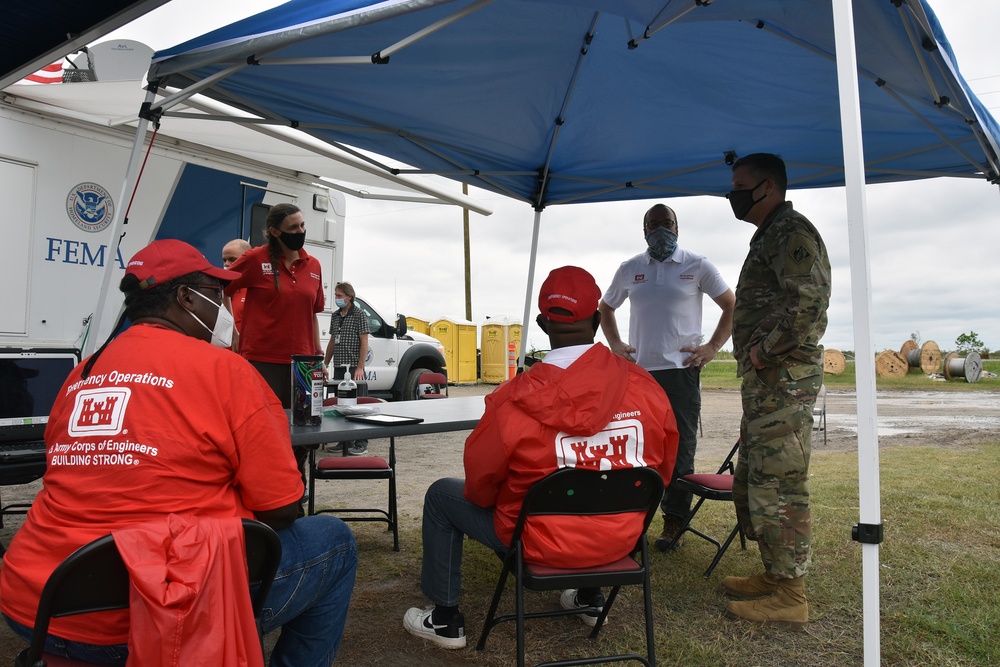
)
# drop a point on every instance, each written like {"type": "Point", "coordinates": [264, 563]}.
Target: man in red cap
{"type": "Point", "coordinates": [579, 389]}
{"type": "Point", "coordinates": [165, 420]}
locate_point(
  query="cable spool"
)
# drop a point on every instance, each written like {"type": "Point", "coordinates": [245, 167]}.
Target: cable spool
{"type": "Point", "coordinates": [930, 357]}
{"type": "Point", "coordinates": [970, 368]}
{"type": "Point", "coordinates": [927, 357]}
{"type": "Point", "coordinates": [907, 347]}
{"type": "Point", "coordinates": [888, 363]}
{"type": "Point", "coordinates": [833, 361]}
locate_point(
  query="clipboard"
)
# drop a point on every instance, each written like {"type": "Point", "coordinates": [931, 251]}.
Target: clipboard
{"type": "Point", "coordinates": [383, 419]}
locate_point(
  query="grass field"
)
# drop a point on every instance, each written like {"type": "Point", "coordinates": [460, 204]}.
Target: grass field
{"type": "Point", "coordinates": [939, 565]}
{"type": "Point", "coordinates": [721, 374]}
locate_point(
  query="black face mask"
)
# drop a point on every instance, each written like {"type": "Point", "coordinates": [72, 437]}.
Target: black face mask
{"type": "Point", "coordinates": [293, 241]}
{"type": "Point", "coordinates": [742, 201]}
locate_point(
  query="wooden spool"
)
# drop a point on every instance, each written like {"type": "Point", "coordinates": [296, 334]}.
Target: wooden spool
{"type": "Point", "coordinates": [930, 357]}
{"type": "Point", "coordinates": [970, 368]}
{"type": "Point", "coordinates": [927, 357]}
{"type": "Point", "coordinates": [833, 361]}
{"type": "Point", "coordinates": [889, 364]}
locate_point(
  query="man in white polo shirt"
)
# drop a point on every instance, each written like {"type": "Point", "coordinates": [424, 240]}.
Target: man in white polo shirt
{"type": "Point", "coordinates": [665, 286]}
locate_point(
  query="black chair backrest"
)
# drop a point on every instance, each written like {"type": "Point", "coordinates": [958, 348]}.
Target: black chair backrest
{"type": "Point", "coordinates": [586, 492]}
{"type": "Point", "coordinates": [94, 578]}
{"type": "Point", "coordinates": [263, 558]}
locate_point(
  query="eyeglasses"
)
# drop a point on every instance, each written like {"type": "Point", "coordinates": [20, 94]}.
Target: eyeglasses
{"type": "Point", "coordinates": [215, 288]}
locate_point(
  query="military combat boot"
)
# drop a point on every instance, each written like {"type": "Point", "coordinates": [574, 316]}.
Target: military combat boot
{"type": "Point", "coordinates": [787, 607]}
{"type": "Point", "coordinates": [671, 526]}
{"type": "Point", "coordinates": [749, 588]}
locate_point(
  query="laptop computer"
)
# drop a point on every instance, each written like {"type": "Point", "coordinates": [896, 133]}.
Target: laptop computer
{"type": "Point", "coordinates": [30, 380]}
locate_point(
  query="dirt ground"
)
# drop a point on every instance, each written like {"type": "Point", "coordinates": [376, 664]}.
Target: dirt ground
{"type": "Point", "coordinates": [926, 418]}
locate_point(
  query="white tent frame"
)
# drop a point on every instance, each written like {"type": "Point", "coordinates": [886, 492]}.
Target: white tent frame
{"type": "Point", "coordinates": [868, 531]}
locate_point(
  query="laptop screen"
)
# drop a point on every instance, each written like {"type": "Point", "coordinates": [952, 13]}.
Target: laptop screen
{"type": "Point", "coordinates": [29, 383]}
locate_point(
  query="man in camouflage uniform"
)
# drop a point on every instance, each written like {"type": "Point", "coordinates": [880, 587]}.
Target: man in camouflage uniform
{"type": "Point", "coordinates": [781, 302]}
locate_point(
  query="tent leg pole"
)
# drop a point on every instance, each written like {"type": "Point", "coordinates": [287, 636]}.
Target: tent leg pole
{"type": "Point", "coordinates": [854, 178]}
{"type": "Point", "coordinates": [111, 257]}
{"type": "Point", "coordinates": [529, 288]}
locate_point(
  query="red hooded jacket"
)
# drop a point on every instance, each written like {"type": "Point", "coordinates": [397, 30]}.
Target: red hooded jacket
{"type": "Point", "coordinates": [601, 412]}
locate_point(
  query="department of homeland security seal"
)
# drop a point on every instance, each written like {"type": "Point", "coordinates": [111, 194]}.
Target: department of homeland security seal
{"type": "Point", "coordinates": [90, 207]}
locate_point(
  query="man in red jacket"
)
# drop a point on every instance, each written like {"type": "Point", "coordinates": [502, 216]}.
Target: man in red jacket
{"type": "Point", "coordinates": [581, 407]}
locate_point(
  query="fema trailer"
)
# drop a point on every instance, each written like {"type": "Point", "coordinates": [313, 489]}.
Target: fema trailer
{"type": "Point", "coordinates": [64, 150]}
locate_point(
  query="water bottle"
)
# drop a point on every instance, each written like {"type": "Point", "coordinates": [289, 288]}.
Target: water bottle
{"type": "Point", "coordinates": [347, 390]}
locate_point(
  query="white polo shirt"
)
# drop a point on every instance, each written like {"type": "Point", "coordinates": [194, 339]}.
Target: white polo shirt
{"type": "Point", "coordinates": [665, 304]}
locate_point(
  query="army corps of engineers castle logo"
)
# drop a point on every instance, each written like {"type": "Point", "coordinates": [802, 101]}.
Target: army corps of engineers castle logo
{"type": "Point", "coordinates": [99, 412]}
{"type": "Point", "coordinates": [90, 207]}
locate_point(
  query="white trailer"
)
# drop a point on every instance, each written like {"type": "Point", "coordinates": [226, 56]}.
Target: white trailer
{"type": "Point", "coordinates": [60, 179]}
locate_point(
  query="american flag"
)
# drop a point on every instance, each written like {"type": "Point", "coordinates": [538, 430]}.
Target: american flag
{"type": "Point", "coordinates": [49, 74]}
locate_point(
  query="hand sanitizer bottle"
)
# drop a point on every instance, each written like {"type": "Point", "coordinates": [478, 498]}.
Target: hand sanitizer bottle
{"type": "Point", "coordinates": [347, 390]}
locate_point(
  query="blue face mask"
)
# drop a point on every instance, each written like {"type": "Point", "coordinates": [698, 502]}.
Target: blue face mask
{"type": "Point", "coordinates": [662, 243]}
{"type": "Point", "coordinates": [340, 302]}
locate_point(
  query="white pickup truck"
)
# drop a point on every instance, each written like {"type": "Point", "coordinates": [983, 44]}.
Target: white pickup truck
{"type": "Point", "coordinates": [395, 358]}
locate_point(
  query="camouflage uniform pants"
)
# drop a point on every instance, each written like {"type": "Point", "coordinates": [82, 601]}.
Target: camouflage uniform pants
{"type": "Point", "coordinates": [771, 483]}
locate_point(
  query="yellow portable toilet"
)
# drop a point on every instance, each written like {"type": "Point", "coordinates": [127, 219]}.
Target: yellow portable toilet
{"type": "Point", "coordinates": [418, 325]}
{"type": "Point", "coordinates": [494, 351]}
{"type": "Point", "coordinates": [467, 347]}
{"type": "Point", "coordinates": [514, 336]}
{"type": "Point", "coordinates": [459, 341]}
{"type": "Point", "coordinates": [445, 331]}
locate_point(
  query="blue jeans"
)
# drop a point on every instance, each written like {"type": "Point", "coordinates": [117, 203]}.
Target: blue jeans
{"type": "Point", "coordinates": [683, 388]}
{"type": "Point", "coordinates": [308, 599]}
{"type": "Point", "coordinates": [448, 518]}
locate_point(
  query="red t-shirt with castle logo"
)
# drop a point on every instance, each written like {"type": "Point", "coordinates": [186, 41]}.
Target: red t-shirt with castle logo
{"type": "Point", "coordinates": [164, 423]}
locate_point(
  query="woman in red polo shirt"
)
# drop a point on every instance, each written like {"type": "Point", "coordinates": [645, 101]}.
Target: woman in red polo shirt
{"type": "Point", "coordinates": [284, 293]}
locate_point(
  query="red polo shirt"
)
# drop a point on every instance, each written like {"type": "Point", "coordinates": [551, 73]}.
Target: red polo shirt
{"type": "Point", "coordinates": [278, 322]}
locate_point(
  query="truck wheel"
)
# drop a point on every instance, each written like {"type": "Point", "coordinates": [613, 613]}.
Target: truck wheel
{"type": "Point", "coordinates": [411, 388]}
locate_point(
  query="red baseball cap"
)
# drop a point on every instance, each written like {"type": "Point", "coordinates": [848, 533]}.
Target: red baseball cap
{"type": "Point", "coordinates": [167, 259]}
{"type": "Point", "coordinates": [570, 288]}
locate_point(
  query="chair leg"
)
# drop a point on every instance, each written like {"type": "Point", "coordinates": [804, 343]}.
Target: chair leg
{"type": "Point", "coordinates": [720, 551]}
{"type": "Point", "coordinates": [490, 621]}
{"type": "Point", "coordinates": [393, 509]}
{"type": "Point", "coordinates": [687, 525]}
{"type": "Point", "coordinates": [603, 616]}
{"type": "Point", "coordinates": [519, 608]}
{"type": "Point", "coordinates": [647, 598]}
{"type": "Point", "coordinates": [311, 503]}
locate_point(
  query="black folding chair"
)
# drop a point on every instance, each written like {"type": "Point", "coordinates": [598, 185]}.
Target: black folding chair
{"type": "Point", "coordinates": [94, 578]}
{"type": "Point", "coordinates": [710, 486]}
{"type": "Point", "coordinates": [580, 492]}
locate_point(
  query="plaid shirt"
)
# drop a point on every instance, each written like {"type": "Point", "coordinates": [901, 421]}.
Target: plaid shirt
{"type": "Point", "coordinates": [346, 330]}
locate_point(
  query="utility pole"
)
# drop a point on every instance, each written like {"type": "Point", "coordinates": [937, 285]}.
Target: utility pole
{"type": "Point", "coordinates": [468, 258]}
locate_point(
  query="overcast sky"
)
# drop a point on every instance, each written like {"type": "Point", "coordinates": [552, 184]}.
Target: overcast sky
{"type": "Point", "coordinates": [934, 244]}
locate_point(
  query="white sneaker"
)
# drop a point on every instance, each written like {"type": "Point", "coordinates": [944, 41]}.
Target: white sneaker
{"type": "Point", "coordinates": [418, 623]}
{"type": "Point", "coordinates": [589, 618]}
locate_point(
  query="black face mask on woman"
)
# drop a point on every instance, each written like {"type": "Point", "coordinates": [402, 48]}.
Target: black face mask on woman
{"type": "Point", "coordinates": [742, 201]}
{"type": "Point", "coordinates": [293, 241]}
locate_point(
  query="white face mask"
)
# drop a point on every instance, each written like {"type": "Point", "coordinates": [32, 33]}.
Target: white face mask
{"type": "Point", "coordinates": [222, 334]}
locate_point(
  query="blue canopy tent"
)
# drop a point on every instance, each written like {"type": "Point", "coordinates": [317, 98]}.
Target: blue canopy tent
{"type": "Point", "coordinates": [560, 101]}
